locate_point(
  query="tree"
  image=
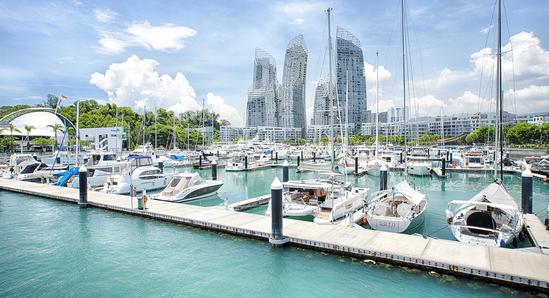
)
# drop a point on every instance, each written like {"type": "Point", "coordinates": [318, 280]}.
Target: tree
{"type": "Point", "coordinates": [51, 101]}
{"type": "Point", "coordinates": [56, 127]}
{"type": "Point", "coordinates": [12, 128]}
{"type": "Point", "coordinates": [28, 129]}
{"type": "Point", "coordinates": [481, 135]}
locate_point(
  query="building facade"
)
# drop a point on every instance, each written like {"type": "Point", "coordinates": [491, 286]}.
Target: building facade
{"type": "Point", "coordinates": [104, 138]}
{"type": "Point", "coordinates": [262, 105]}
{"type": "Point", "coordinates": [292, 98]}
{"type": "Point", "coordinates": [350, 78]}
{"type": "Point", "coordinates": [321, 113]}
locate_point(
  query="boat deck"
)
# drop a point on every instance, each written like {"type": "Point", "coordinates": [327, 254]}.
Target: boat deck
{"type": "Point", "coordinates": [508, 266]}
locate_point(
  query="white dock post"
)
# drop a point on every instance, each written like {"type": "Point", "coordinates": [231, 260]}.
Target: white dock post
{"type": "Point", "coordinates": [277, 238]}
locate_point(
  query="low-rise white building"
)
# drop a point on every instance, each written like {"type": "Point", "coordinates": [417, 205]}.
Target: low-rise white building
{"type": "Point", "coordinates": [104, 138]}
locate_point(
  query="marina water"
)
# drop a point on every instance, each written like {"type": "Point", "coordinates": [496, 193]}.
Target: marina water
{"type": "Point", "coordinates": [52, 248]}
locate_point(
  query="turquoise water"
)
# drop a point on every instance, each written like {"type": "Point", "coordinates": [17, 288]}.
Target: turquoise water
{"type": "Point", "coordinates": [458, 186]}
{"type": "Point", "coordinates": [55, 249]}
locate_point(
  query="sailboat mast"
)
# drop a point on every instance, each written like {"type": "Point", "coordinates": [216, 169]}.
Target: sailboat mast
{"type": "Point", "coordinates": [404, 81]}
{"type": "Point", "coordinates": [377, 104]}
{"type": "Point", "coordinates": [499, 101]}
{"type": "Point", "coordinates": [328, 11]}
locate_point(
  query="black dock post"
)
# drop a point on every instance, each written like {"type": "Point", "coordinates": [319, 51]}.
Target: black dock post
{"type": "Point", "coordinates": [83, 186]}
{"type": "Point", "coordinates": [298, 160]}
{"type": "Point", "coordinates": [271, 154]}
{"type": "Point", "coordinates": [214, 169]}
{"type": "Point", "coordinates": [246, 162]}
{"type": "Point", "coordinates": [443, 167]}
{"type": "Point", "coordinates": [276, 155]}
{"type": "Point", "coordinates": [161, 166]}
{"type": "Point", "coordinates": [277, 237]}
{"type": "Point", "coordinates": [526, 192]}
{"type": "Point", "coordinates": [314, 156]}
{"type": "Point", "coordinates": [285, 172]}
{"type": "Point", "coordinates": [383, 177]}
{"type": "Point", "coordinates": [200, 161]}
{"type": "Point", "coordinates": [301, 154]}
{"type": "Point", "coordinates": [356, 165]}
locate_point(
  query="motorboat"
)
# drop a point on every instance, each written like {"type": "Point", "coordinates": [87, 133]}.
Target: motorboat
{"type": "Point", "coordinates": [188, 186]}
{"type": "Point", "coordinates": [25, 167]}
{"type": "Point", "coordinates": [326, 199]}
{"type": "Point", "coordinates": [473, 160]}
{"type": "Point", "coordinates": [141, 175]}
{"type": "Point", "coordinates": [60, 158]}
{"type": "Point", "coordinates": [418, 166]}
{"type": "Point", "coordinates": [314, 166]}
{"type": "Point", "coordinates": [100, 165]}
{"type": "Point", "coordinates": [490, 218]}
{"type": "Point", "coordinates": [396, 210]}
{"type": "Point", "coordinates": [373, 166]}
{"type": "Point", "coordinates": [244, 162]}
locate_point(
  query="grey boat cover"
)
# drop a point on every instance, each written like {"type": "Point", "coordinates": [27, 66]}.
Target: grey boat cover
{"type": "Point", "coordinates": [410, 192]}
{"type": "Point", "coordinates": [495, 193]}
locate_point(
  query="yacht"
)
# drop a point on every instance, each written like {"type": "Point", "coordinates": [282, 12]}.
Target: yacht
{"type": "Point", "coordinates": [490, 218]}
{"type": "Point", "coordinates": [25, 167]}
{"type": "Point", "coordinates": [243, 162]}
{"type": "Point", "coordinates": [60, 158]}
{"type": "Point", "coordinates": [418, 166]}
{"type": "Point", "coordinates": [140, 174]}
{"type": "Point", "coordinates": [188, 186]}
{"type": "Point", "coordinates": [473, 160]}
{"type": "Point", "coordinates": [326, 199]}
{"type": "Point", "coordinates": [374, 165]}
{"type": "Point", "coordinates": [100, 165]}
{"type": "Point", "coordinates": [396, 210]}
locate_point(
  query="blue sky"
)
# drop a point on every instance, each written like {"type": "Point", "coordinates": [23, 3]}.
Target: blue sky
{"type": "Point", "coordinates": [131, 52]}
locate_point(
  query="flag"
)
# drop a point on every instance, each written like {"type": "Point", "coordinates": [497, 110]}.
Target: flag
{"type": "Point", "coordinates": [63, 97]}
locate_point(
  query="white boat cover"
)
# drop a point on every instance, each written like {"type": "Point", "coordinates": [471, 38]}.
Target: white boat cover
{"type": "Point", "coordinates": [413, 194]}
{"type": "Point", "coordinates": [497, 194]}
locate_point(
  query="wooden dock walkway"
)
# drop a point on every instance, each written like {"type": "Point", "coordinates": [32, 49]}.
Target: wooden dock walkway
{"type": "Point", "coordinates": [508, 266]}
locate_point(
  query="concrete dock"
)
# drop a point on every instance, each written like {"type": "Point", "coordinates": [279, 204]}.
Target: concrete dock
{"type": "Point", "coordinates": [508, 266]}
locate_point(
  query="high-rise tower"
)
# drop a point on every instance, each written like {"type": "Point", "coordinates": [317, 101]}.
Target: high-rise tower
{"type": "Point", "coordinates": [321, 114]}
{"type": "Point", "coordinates": [350, 68]}
{"type": "Point", "coordinates": [292, 103]}
{"type": "Point", "coordinates": [262, 103]}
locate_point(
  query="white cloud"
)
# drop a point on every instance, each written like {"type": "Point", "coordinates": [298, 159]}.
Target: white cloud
{"type": "Point", "coordinates": [370, 72]}
{"type": "Point", "coordinates": [425, 106]}
{"type": "Point", "coordinates": [297, 21]}
{"type": "Point", "coordinates": [486, 29]}
{"type": "Point", "coordinates": [104, 15]}
{"type": "Point", "coordinates": [217, 104]}
{"type": "Point", "coordinates": [531, 98]}
{"type": "Point", "coordinates": [299, 7]}
{"type": "Point", "coordinates": [167, 37]}
{"type": "Point", "coordinates": [136, 83]}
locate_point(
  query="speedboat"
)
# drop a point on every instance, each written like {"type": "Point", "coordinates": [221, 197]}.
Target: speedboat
{"type": "Point", "coordinates": [100, 165]}
{"type": "Point", "coordinates": [188, 186]}
{"type": "Point", "coordinates": [25, 167]}
{"type": "Point", "coordinates": [490, 218]}
{"type": "Point", "coordinates": [396, 210]}
{"type": "Point", "coordinates": [141, 175]}
{"type": "Point", "coordinates": [327, 199]}
{"type": "Point", "coordinates": [418, 166]}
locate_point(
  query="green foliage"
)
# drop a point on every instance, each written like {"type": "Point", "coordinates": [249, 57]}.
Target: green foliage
{"type": "Point", "coordinates": [429, 139]}
{"type": "Point", "coordinates": [481, 135]}
{"type": "Point", "coordinates": [42, 141]}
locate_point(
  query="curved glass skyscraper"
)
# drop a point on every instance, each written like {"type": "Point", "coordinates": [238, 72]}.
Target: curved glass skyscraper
{"type": "Point", "coordinates": [350, 68]}
{"type": "Point", "coordinates": [292, 103]}
{"type": "Point", "coordinates": [262, 103]}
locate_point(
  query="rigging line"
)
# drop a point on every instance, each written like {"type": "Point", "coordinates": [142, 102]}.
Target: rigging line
{"type": "Point", "coordinates": [512, 59]}
{"type": "Point", "coordinates": [483, 56]}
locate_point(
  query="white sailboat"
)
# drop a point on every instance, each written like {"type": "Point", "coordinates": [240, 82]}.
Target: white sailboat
{"type": "Point", "coordinates": [400, 208]}
{"type": "Point", "coordinates": [491, 217]}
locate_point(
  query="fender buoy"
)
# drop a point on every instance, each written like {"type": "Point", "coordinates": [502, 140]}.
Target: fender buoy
{"type": "Point", "coordinates": [364, 220]}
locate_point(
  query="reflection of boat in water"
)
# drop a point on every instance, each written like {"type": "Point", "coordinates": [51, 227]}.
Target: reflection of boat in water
{"type": "Point", "coordinates": [490, 218]}
{"type": "Point", "coordinates": [188, 186]}
{"type": "Point", "coordinates": [397, 210]}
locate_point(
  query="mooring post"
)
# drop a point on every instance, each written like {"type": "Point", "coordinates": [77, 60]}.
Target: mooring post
{"type": "Point", "coordinates": [443, 167]}
{"type": "Point", "coordinates": [83, 186]}
{"type": "Point", "coordinates": [200, 160]}
{"type": "Point", "coordinates": [298, 160]}
{"type": "Point", "coordinates": [214, 169]}
{"type": "Point", "coordinates": [314, 156]}
{"type": "Point", "coordinates": [161, 166]}
{"type": "Point", "coordinates": [356, 165]}
{"type": "Point", "coordinates": [526, 191]}
{"type": "Point", "coordinates": [383, 177]}
{"type": "Point", "coordinates": [277, 237]}
{"type": "Point", "coordinates": [285, 171]}
{"type": "Point", "coordinates": [400, 158]}
{"type": "Point", "coordinates": [276, 155]}
{"type": "Point", "coordinates": [301, 154]}
{"type": "Point", "coordinates": [271, 154]}
{"type": "Point", "coordinates": [246, 162]}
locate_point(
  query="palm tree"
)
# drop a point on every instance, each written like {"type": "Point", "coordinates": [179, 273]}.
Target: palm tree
{"type": "Point", "coordinates": [28, 129]}
{"type": "Point", "coordinates": [55, 127]}
{"type": "Point", "coordinates": [12, 128]}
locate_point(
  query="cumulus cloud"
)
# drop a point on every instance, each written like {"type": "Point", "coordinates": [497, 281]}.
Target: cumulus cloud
{"type": "Point", "coordinates": [371, 72]}
{"type": "Point", "coordinates": [104, 15]}
{"type": "Point", "coordinates": [486, 29]}
{"type": "Point", "coordinates": [167, 37]}
{"type": "Point", "coordinates": [530, 98]}
{"type": "Point", "coordinates": [425, 105]}
{"type": "Point", "coordinates": [136, 83]}
{"type": "Point", "coordinates": [217, 104]}
{"type": "Point", "coordinates": [297, 21]}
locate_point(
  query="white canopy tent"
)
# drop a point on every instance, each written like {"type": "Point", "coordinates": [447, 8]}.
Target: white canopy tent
{"type": "Point", "coordinates": [41, 122]}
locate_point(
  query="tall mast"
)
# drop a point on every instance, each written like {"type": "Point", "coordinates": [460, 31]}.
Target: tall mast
{"type": "Point", "coordinates": [77, 132]}
{"type": "Point", "coordinates": [377, 104]}
{"type": "Point", "coordinates": [404, 80]}
{"type": "Point", "coordinates": [144, 118]}
{"type": "Point", "coordinates": [328, 11]}
{"type": "Point", "coordinates": [174, 135]}
{"type": "Point", "coordinates": [499, 103]}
